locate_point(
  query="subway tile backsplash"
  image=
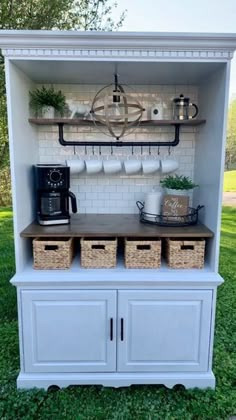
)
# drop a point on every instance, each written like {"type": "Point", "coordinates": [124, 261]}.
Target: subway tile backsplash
{"type": "Point", "coordinates": [118, 193]}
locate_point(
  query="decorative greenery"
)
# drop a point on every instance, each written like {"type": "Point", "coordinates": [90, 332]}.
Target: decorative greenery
{"type": "Point", "coordinates": [43, 96]}
{"type": "Point", "coordinates": [137, 402]}
{"type": "Point", "coordinates": [178, 182]}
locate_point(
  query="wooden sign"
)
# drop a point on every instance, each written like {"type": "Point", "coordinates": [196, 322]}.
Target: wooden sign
{"type": "Point", "coordinates": [175, 205]}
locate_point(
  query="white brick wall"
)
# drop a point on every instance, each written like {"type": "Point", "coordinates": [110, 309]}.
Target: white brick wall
{"type": "Point", "coordinates": [118, 193]}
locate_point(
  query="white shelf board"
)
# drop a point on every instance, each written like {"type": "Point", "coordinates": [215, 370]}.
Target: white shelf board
{"type": "Point", "coordinates": [118, 276]}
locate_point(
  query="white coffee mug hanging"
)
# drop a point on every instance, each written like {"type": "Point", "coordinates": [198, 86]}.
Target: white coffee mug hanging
{"type": "Point", "coordinates": [157, 111]}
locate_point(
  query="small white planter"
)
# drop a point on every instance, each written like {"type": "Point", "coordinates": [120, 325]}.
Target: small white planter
{"type": "Point", "coordinates": [48, 112]}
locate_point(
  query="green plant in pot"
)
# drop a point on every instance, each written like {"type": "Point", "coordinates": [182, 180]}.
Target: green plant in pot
{"type": "Point", "coordinates": [178, 184]}
{"type": "Point", "coordinates": [45, 101]}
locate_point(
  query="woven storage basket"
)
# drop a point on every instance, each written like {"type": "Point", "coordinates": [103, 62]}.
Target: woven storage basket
{"type": "Point", "coordinates": [142, 253]}
{"type": "Point", "coordinates": [54, 253]}
{"type": "Point", "coordinates": [184, 253]}
{"type": "Point", "coordinates": [98, 253]}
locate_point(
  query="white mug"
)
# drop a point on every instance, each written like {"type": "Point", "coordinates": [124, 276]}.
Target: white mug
{"type": "Point", "coordinates": [76, 166]}
{"type": "Point", "coordinates": [169, 165]}
{"type": "Point", "coordinates": [132, 166]}
{"type": "Point", "coordinates": [93, 166]}
{"type": "Point", "coordinates": [112, 166]}
{"type": "Point", "coordinates": [150, 166]}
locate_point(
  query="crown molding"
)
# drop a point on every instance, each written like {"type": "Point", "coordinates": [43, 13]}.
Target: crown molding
{"type": "Point", "coordinates": [114, 55]}
{"type": "Point", "coordinates": [95, 44]}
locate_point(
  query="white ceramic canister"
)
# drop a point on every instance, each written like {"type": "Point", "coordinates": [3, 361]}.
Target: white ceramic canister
{"type": "Point", "coordinates": [152, 204]}
{"type": "Point", "coordinates": [157, 111]}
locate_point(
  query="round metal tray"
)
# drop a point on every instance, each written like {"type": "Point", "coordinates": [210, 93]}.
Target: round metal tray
{"type": "Point", "coordinates": [191, 218]}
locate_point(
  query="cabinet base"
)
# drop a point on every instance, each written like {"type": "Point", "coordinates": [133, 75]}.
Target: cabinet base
{"type": "Point", "coordinates": [116, 380]}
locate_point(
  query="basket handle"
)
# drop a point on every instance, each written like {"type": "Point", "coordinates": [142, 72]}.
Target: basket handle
{"type": "Point", "coordinates": [98, 246]}
{"type": "Point", "coordinates": [51, 247]}
{"type": "Point", "coordinates": [140, 205]}
{"type": "Point", "coordinates": [187, 246]}
{"type": "Point", "coordinates": [143, 247]}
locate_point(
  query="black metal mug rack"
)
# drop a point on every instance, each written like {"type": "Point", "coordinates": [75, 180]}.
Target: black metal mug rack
{"type": "Point", "coordinates": [61, 122]}
{"type": "Point", "coordinates": [119, 143]}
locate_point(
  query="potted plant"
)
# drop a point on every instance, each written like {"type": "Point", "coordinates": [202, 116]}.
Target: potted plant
{"type": "Point", "coordinates": [44, 101]}
{"type": "Point", "coordinates": [177, 184]}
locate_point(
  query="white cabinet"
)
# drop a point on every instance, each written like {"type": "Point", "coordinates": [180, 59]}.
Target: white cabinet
{"type": "Point", "coordinates": [165, 331]}
{"type": "Point", "coordinates": [75, 331]}
{"type": "Point", "coordinates": [69, 331]}
{"type": "Point", "coordinates": [167, 315]}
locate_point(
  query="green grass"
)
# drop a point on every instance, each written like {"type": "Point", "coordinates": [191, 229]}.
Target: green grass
{"type": "Point", "coordinates": [230, 181]}
{"type": "Point", "coordinates": [136, 402]}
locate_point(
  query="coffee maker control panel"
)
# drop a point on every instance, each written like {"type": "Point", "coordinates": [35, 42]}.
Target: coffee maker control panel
{"type": "Point", "coordinates": [49, 177]}
{"type": "Point", "coordinates": [55, 178]}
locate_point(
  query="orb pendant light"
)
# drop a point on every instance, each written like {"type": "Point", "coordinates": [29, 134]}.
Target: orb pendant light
{"type": "Point", "coordinates": [115, 112]}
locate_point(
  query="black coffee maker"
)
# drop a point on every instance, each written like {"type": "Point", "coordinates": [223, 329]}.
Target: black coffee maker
{"type": "Point", "coordinates": [52, 184]}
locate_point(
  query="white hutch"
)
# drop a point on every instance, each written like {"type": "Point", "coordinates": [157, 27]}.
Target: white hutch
{"type": "Point", "coordinates": [167, 329]}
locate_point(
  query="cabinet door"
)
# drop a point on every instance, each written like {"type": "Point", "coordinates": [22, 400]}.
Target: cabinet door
{"type": "Point", "coordinates": [164, 330]}
{"type": "Point", "coordinates": [69, 331]}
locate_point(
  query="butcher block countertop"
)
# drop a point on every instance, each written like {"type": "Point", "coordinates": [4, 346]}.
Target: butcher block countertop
{"type": "Point", "coordinates": [113, 225]}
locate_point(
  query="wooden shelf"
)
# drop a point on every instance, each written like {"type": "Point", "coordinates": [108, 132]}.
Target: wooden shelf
{"type": "Point", "coordinates": [117, 225]}
{"type": "Point", "coordinates": [145, 123]}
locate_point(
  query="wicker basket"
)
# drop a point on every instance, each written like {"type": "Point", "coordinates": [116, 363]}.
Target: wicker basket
{"type": "Point", "coordinates": [184, 253]}
{"type": "Point", "coordinates": [55, 253]}
{"type": "Point", "coordinates": [142, 253]}
{"type": "Point", "coordinates": [98, 253]}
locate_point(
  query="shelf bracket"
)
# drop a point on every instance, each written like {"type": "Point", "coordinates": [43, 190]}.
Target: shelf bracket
{"type": "Point", "coordinates": [118, 143]}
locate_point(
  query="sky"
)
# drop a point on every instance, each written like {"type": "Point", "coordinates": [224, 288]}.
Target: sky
{"type": "Point", "coordinates": [181, 16]}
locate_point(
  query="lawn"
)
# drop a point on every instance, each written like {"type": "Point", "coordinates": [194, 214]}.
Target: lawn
{"type": "Point", "coordinates": [136, 402]}
{"type": "Point", "coordinates": [230, 181]}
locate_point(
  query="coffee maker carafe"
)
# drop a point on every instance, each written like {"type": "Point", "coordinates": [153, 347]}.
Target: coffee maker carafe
{"type": "Point", "coordinates": [52, 184]}
{"type": "Point", "coordinates": [182, 108]}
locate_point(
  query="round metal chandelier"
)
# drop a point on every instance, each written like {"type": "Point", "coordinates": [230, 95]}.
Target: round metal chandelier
{"type": "Point", "coordinates": [115, 112]}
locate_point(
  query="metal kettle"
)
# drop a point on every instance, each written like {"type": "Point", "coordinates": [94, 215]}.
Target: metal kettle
{"type": "Point", "coordinates": [182, 107]}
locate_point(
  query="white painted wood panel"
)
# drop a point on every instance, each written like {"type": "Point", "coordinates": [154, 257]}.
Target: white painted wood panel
{"type": "Point", "coordinates": [164, 330]}
{"type": "Point", "coordinates": [23, 146]}
{"type": "Point", "coordinates": [210, 155]}
{"type": "Point", "coordinates": [68, 331]}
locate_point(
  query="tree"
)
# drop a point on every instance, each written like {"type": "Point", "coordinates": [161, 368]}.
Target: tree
{"type": "Point", "coordinates": [230, 156]}
{"type": "Point", "coordinates": [46, 14]}
{"type": "Point", "coordinates": [58, 14]}
{"type": "Point", "coordinates": [94, 15]}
